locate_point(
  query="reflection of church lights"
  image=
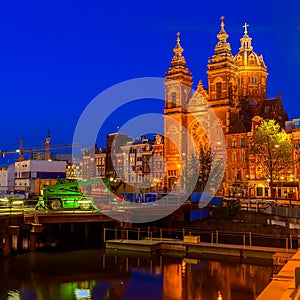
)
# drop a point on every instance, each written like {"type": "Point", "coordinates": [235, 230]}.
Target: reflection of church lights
{"type": "Point", "coordinates": [183, 267]}
{"type": "Point", "coordinates": [219, 296]}
{"type": "Point", "coordinates": [13, 295]}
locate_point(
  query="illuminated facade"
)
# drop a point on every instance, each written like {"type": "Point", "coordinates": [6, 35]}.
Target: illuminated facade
{"type": "Point", "coordinates": [140, 163]}
{"type": "Point", "coordinates": [237, 92]}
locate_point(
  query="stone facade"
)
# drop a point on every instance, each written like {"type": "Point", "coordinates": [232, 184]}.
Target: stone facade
{"type": "Point", "coordinates": [237, 93]}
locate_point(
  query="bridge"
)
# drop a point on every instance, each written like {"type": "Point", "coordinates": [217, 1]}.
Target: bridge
{"type": "Point", "coordinates": [22, 225]}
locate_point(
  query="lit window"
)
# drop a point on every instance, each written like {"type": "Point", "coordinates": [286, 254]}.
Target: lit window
{"type": "Point", "coordinates": [297, 124]}
{"type": "Point", "coordinates": [233, 143]}
{"type": "Point", "coordinates": [234, 157]}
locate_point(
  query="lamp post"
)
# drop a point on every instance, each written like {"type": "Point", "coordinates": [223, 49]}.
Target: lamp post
{"type": "Point", "coordinates": [184, 175]}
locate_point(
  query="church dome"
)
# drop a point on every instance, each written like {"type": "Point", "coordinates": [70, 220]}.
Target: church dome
{"type": "Point", "coordinates": [249, 58]}
{"type": "Point", "coordinates": [246, 55]}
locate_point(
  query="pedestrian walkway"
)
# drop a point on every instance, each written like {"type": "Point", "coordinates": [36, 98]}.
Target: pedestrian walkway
{"type": "Point", "coordinates": [157, 244]}
{"type": "Point", "coordinates": [284, 285]}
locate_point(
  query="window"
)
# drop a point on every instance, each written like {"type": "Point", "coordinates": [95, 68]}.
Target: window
{"type": "Point", "coordinates": [173, 96]}
{"type": "Point", "coordinates": [259, 191]}
{"type": "Point", "coordinates": [234, 157]}
{"type": "Point", "coordinates": [243, 142]}
{"type": "Point", "coordinates": [243, 158]}
{"type": "Point", "coordinates": [297, 124]}
{"type": "Point", "coordinates": [233, 143]}
{"type": "Point", "coordinates": [218, 90]}
{"type": "Point", "coordinates": [230, 91]}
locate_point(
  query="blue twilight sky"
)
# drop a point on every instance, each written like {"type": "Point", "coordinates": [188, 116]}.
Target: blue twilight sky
{"type": "Point", "coordinates": [56, 56]}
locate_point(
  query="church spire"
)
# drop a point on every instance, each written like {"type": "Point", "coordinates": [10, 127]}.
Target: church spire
{"type": "Point", "coordinates": [222, 35]}
{"type": "Point", "coordinates": [178, 58]}
{"type": "Point", "coordinates": [246, 40]}
{"type": "Point", "coordinates": [252, 72]}
{"type": "Point", "coordinates": [178, 69]}
{"type": "Point", "coordinates": [222, 47]}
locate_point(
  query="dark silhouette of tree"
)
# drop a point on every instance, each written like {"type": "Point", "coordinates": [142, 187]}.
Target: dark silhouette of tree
{"type": "Point", "coordinates": [199, 165]}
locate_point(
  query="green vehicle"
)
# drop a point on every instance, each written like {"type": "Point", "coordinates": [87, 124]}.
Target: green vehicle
{"type": "Point", "coordinates": [66, 195]}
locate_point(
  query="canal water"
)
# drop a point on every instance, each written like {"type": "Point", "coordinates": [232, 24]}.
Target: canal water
{"type": "Point", "coordinates": [94, 274]}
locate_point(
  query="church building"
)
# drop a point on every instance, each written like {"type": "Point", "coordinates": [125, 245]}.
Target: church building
{"type": "Point", "coordinates": [237, 93]}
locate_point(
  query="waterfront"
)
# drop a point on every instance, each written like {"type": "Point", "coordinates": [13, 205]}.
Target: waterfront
{"type": "Point", "coordinates": [95, 275]}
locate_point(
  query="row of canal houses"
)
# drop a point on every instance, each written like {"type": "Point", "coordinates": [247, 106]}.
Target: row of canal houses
{"type": "Point", "coordinates": [140, 163]}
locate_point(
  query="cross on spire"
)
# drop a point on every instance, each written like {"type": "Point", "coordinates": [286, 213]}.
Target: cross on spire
{"type": "Point", "coordinates": [178, 38]}
{"type": "Point", "coordinates": [222, 22]}
{"type": "Point", "coordinates": [246, 28]}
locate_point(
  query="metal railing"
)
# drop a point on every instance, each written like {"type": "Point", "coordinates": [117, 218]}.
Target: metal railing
{"type": "Point", "coordinates": [245, 239]}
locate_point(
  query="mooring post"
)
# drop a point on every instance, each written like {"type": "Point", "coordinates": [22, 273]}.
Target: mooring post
{"type": "Point", "coordinates": [6, 245]}
{"type": "Point", "coordinates": [32, 241]}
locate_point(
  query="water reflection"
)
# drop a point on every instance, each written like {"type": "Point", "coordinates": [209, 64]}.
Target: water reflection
{"type": "Point", "coordinates": [92, 274]}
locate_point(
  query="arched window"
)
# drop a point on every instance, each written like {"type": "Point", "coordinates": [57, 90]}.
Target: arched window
{"type": "Point", "coordinates": [218, 90]}
{"type": "Point", "coordinates": [173, 96]}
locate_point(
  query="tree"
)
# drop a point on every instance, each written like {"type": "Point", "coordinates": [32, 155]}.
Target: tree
{"type": "Point", "coordinates": [203, 158]}
{"type": "Point", "coordinates": [272, 149]}
{"type": "Point", "coordinates": [229, 208]}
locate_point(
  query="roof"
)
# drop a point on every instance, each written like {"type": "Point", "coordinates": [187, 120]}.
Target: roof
{"type": "Point", "coordinates": [240, 126]}
{"type": "Point", "coordinates": [273, 109]}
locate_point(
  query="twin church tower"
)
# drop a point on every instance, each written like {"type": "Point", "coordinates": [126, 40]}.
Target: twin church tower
{"type": "Point", "coordinates": [237, 92]}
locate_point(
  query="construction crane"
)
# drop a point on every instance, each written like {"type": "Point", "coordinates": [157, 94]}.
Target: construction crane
{"type": "Point", "coordinates": [21, 151]}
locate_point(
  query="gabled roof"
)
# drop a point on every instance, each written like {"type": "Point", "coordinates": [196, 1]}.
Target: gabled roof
{"type": "Point", "coordinates": [273, 109]}
{"type": "Point", "coordinates": [240, 126]}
